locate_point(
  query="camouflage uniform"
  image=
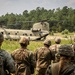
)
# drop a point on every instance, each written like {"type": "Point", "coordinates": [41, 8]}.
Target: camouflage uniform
{"type": "Point", "coordinates": [6, 61]}
{"type": "Point", "coordinates": [55, 47]}
{"type": "Point", "coordinates": [23, 59]}
{"type": "Point", "coordinates": [66, 68]}
{"type": "Point", "coordinates": [43, 58]}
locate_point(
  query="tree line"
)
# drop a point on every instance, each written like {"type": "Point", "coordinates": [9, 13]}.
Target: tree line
{"type": "Point", "coordinates": [59, 19]}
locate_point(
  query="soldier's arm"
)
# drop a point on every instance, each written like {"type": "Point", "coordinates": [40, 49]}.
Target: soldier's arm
{"type": "Point", "coordinates": [53, 55]}
{"type": "Point", "coordinates": [10, 64]}
{"type": "Point", "coordinates": [33, 62]}
{"type": "Point", "coordinates": [13, 53]}
{"type": "Point", "coordinates": [35, 54]}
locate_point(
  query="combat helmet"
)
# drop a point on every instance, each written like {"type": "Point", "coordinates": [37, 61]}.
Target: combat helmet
{"type": "Point", "coordinates": [47, 42]}
{"type": "Point", "coordinates": [1, 37]}
{"type": "Point", "coordinates": [66, 50]}
{"type": "Point", "coordinates": [24, 40]}
{"type": "Point", "coordinates": [57, 40]}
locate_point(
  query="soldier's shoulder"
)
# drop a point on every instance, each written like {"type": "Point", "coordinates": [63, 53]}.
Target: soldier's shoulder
{"type": "Point", "coordinates": [2, 51]}
{"type": "Point", "coordinates": [52, 46]}
{"type": "Point", "coordinates": [29, 51]}
{"type": "Point", "coordinates": [15, 51]}
{"type": "Point", "coordinates": [39, 48]}
{"type": "Point", "coordinates": [5, 54]}
{"type": "Point", "coordinates": [42, 48]}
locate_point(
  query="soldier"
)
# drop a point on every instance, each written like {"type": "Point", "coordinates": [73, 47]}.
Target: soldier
{"type": "Point", "coordinates": [63, 67]}
{"type": "Point", "coordinates": [24, 61]}
{"type": "Point", "coordinates": [6, 62]}
{"type": "Point", "coordinates": [55, 47]}
{"type": "Point", "coordinates": [43, 57]}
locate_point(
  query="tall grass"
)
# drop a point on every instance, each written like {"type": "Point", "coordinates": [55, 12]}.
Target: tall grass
{"type": "Point", "coordinates": [10, 46]}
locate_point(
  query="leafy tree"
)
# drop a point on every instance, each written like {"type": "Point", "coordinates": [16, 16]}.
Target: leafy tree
{"type": "Point", "coordinates": [59, 19]}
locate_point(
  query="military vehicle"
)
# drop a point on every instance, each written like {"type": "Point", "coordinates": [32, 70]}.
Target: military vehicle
{"type": "Point", "coordinates": [39, 31]}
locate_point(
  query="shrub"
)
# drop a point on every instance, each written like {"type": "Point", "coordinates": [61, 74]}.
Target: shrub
{"type": "Point", "coordinates": [66, 31]}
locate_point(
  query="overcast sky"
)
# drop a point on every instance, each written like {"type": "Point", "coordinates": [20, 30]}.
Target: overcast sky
{"type": "Point", "coordinates": [18, 6]}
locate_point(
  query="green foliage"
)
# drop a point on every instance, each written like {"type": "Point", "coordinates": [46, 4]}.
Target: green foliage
{"type": "Point", "coordinates": [58, 19]}
{"type": "Point", "coordinates": [35, 44]}
{"type": "Point", "coordinates": [10, 46]}
{"type": "Point", "coordinates": [65, 31]}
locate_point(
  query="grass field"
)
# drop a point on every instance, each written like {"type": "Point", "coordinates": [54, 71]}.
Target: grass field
{"type": "Point", "coordinates": [10, 46]}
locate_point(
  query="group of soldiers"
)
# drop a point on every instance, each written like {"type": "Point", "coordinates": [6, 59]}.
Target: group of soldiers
{"type": "Point", "coordinates": [47, 60]}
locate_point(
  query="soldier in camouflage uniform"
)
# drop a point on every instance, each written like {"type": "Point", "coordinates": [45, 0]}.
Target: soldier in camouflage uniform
{"type": "Point", "coordinates": [23, 58]}
{"type": "Point", "coordinates": [55, 47]}
{"type": "Point", "coordinates": [43, 57]}
{"type": "Point", "coordinates": [6, 61]}
{"type": "Point", "coordinates": [64, 66]}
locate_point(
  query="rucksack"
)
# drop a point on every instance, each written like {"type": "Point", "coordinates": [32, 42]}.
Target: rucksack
{"type": "Point", "coordinates": [20, 65]}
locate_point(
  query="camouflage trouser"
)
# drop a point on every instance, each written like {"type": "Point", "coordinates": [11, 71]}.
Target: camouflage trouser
{"type": "Point", "coordinates": [41, 71]}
